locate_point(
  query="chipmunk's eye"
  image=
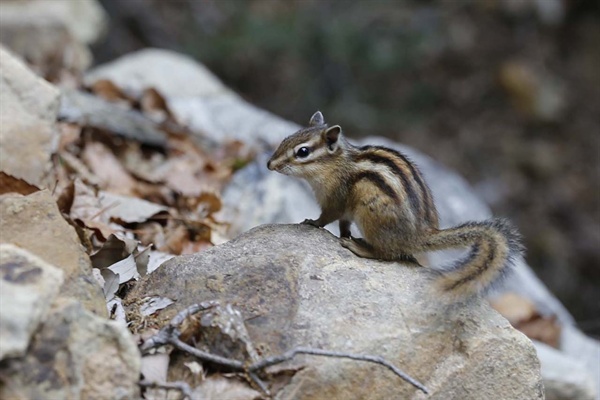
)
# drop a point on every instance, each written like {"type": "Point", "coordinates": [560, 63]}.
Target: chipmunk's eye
{"type": "Point", "coordinates": [303, 152]}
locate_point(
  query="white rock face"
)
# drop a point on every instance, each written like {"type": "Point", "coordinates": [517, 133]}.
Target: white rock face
{"type": "Point", "coordinates": [296, 286]}
{"type": "Point", "coordinates": [28, 286]}
{"type": "Point", "coordinates": [564, 378]}
{"type": "Point", "coordinates": [27, 122]}
{"type": "Point", "coordinates": [195, 96]}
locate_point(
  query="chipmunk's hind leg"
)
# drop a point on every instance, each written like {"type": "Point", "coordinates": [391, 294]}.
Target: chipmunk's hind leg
{"type": "Point", "coordinates": [358, 246]}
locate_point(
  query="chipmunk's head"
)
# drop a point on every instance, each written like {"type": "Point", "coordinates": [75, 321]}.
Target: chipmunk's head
{"type": "Point", "coordinates": [308, 151]}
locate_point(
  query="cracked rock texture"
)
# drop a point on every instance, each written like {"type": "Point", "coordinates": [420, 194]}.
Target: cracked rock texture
{"type": "Point", "coordinates": [296, 286]}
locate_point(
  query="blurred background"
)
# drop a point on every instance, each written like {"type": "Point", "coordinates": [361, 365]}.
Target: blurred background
{"type": "Point", "coordinates": [507, 92]}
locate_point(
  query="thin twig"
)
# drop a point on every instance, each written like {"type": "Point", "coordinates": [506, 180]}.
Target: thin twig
{"type": "Point", "coordinates": [183, 387]}
{"type": "Point", "coordinates": [288, 355]}
{"type": "Point", "coordinates": [169, 334]}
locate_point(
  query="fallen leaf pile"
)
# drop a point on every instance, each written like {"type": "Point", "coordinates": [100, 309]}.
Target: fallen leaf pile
{"type": "Point", "coordinates": [137, 186]}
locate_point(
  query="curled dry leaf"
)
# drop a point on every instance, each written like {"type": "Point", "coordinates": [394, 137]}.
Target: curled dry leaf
{"type": "Point", "coordinates": [111, 283]}
{"type": "Point", "coordinates": [87, 209]}
{"type": "Point", "coordinates": [109, 91]}
{"type": "Point", "coordinates": [112, 251]}
{"type": "Point", "coordinates": [129, 209]}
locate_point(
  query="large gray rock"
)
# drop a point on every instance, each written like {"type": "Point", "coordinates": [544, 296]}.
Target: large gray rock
{"type": "Point", "coordinates": [297, 286]}
{"type": "Point", "coordinates": [74, 355]}
{"type": "Point", "coordinates": [27, 122]}
{"type": "Point", "coordinates": [28, 286]}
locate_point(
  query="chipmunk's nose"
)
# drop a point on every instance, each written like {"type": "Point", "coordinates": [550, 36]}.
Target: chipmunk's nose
{"type": "Point", "coordinates": [269, 164]}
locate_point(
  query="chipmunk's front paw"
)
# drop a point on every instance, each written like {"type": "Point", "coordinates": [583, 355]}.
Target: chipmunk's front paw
{"type": "Point", "coordinates": [310, 222]}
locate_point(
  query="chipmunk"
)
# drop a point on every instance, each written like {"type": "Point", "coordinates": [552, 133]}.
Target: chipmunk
{"type": "Point", "coordinates": [384, 193]}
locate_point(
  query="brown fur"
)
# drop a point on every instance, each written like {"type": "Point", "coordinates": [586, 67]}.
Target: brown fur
{"type": "Point", "coordinates": [386, 196]}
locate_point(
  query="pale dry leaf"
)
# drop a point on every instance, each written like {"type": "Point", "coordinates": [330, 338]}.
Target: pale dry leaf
{"type": "Point", "coordinates": [151, 305]}
{"type": "Point", "coordinates": [112, 251]}
{"type": "Point", "coordinates": [86, 204]}
{"type": "Point", "coordinates": [142, 258]}
{"type": "Point", "coordinates": [194, 367]}
{"type": "Point", "coordinates": [157, 258]}
{"type": "Point", "coordinates": [126, 269]}
{"type": "Point", "coordinates": [107, 167]}
{"type": "Point", "coordinates": [116, 312]}
{"type": "Point", "coordinates": [111, 283]}
{"type": "Point", "coordinates": [155, 367]}
{"type": "Point", "coordinates": [129, 209]}
{"type": "Point", "coordinates": [219, 387]}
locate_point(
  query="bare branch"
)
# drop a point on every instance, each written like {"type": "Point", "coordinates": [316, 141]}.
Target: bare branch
{"type": "Point", "coordinates": [183, 387]}
{"type": "Point", "coordinates": [288, 355]}
{"type": "Point", "coordinates": [170, 335]}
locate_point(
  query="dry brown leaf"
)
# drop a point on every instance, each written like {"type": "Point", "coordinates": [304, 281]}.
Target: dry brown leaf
{"type": "Point", "coordinates": [10, 184]}
{"type": "Point", "coordinates": [176, 235]}
{"type": "Point", "coordinates": [108, 90]}
{"type": "Point", "coordinates": [523, 315]}
{"type": "Point", "coordinates": [514, 308]}
{"type": "Point", "coordinates": [68, 135]}
{"type": "Point", "coordinates": [154, 105]}
{"type": "Point", "coordinates": [107, 167]}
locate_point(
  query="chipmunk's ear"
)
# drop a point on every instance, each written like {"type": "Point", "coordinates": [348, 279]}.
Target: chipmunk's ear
{"type": "Point", "coordinates": [317, 119]}
{"type": "Point", "coordinates": [332, 136]}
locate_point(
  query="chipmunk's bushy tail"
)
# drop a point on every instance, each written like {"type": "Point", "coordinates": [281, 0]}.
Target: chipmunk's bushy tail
{"type": "Point", "coordinates": [494, 246]}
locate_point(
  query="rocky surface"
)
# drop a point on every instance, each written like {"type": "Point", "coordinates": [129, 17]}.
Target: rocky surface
{"type": "Point", "coordinates": [296, 286]}
{"type": "Point", "coordinates": [34, 223]}
{"type": "Point", "coordinates": [27, 121]}
{"type": "Point", "coordinates": [75, 354]}
{"type": "Point", "coordinates": [27, 289]}
{"type": "Point", "coordinates": [50, 345]}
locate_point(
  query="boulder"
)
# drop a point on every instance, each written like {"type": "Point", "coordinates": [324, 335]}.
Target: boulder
{"type": "Point", "coordinates": [27, 122]}
{"type": "Point", "coordinates": [35, 223]}
{"type": "Point", "coordinates": [296, 286]}
{"type": "Point", "coordinates": [74, 355]}
{"type": "Point", "coordinates": [28, 286]}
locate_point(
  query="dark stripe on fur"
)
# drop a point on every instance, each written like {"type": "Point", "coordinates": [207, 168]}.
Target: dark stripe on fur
{"type": "Point", "coordinates": [413, 197]}
{"type": "Point", "coordinates": [378, 180]}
